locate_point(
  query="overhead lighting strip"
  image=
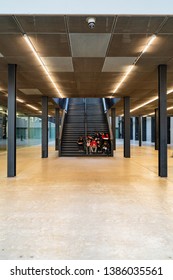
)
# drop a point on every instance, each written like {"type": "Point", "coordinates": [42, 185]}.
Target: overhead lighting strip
{"type": "Point", "coordinates": [132, 66]}
{"type": "Point", "coordinates": [20, 100]}
{"type": "Point", "coordinates": [148, 102]}
{"type": "Point", "coordinates": [41, 63]}
{"type": "Point", "coordinates": [169, 108]}
{"type": "Point", "coordinates": [33, 107]}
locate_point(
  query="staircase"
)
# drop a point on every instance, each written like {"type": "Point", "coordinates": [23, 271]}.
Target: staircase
{"type": "Point", "coordinates": [96, 119]}
{"type": "Point", "coordinates": [74, 127]}
{"type": "Point", "coordinates": [85, 116]}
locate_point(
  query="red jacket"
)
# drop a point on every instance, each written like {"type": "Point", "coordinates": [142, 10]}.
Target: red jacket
{"type": "Point", "coordinates": [93, 143]}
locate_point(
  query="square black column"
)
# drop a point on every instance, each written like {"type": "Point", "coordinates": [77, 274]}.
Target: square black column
{"type": "Point", "coordinates": [56, 129]}
{"type": "Point", "coordinates": [113, 115]}
{"type": "Point", "coordinates": [127, 127]}
{"type": "Point", "coordinates": [152, 129]}
{"type": "Point", "coordinates": [144, 129]}
{"type": "Point", "coordinates": [11, 151]}
{"type": "Point", "coordinates": [44, 127]}
{"type": "Point", "coordinates": [156, 129]}
{"type": "Point", "coordinates": [136, 128]}
{"type": "Point", "coordinates": [140, 130]}
{"type": "Point", "coordinates": [162, 94]}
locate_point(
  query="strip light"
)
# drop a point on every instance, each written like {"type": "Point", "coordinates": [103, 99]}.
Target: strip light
{"type": "Point", "coordinates": [132, 66]}
{"type": "Point", "coordinates": [148, 102]}
{"type": "Point", "coordinates": [20, 100]}
{"type": "Point", "coordinates": [123, 79]}
{"type": "Point", "coordinates": [142, 105]}
{"type": "Point", "coordinates": [41, 62]}
{"type": "Point", "coordinates": [170, 108]}
{"type": "Point", "coordinates": [33, 107]}
{"type": "Point", "coordinates": [149, 44]}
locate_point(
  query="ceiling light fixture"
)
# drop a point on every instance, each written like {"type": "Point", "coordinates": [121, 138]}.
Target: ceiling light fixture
{"type": "Point", "coordinates": [170, 108]}
{"type": "Point", "coordinates": [144, 104]}
{"type": "Point", "coordinates": [123, 79]}
{"type": "Point", "coordinates": [149, 44]}
{"type": "Point", "coordinates": [148, 102]}
{"type": "Point", "coordinates": [33, 107]}
{"type": "Point", "coordinates": [41, 62]}
{"type": "Point", "coordinates": [132, 66]}
{"type": "Point", "coordinates": [20, 100]}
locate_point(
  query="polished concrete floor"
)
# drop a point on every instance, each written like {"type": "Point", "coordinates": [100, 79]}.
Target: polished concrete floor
{"type": "Point", "coordinates": [86, 208]}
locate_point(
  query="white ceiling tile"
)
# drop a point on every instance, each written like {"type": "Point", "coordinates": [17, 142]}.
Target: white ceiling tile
{"type": "Point", "coordinates": [89, 45]}
{"type": "Point", "coordinates": [117, 64]}
{"type": "Point", "coordinates": [58, 64]}
{"type": "Point", "coordinates": [31, 91]}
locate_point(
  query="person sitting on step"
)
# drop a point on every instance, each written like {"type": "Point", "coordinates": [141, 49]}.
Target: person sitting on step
{"type": "Point", "coordinates": [80, 143]}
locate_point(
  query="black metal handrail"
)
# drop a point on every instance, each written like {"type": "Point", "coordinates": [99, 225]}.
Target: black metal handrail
{"type": "Point", "coordinates": [109, 124]}
{"type": "Point", "coordinates": [85, 117]}
{"type": "Point", "coordinates": [62, 123]}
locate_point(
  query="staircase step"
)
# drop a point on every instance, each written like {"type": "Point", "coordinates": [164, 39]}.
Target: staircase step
{"type": "Point", "coordinates": [74, 125]}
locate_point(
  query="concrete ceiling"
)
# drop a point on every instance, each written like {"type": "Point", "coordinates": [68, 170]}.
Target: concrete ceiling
{"type": "Point", "coordinates": [85, 62]}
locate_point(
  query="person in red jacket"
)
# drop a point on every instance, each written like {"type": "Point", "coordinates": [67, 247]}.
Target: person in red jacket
{"type": "Point", "coordinates": [93, 146]}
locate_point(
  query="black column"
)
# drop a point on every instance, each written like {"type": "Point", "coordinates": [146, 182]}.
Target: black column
{"type": "Point", "coordinates": [56, 129]}
{"type": "Point", "coordinates": [144, 129]}
{"type": "Point", "coordinates": [136, 128]}
{"type": "Point", "coordinates": [4, 126]}
{"type": "Point", "coordinates": [169, 130]}
{"type": "Point", "coordinates": [140, 130]}
{"type": "Point", "coordinates": [131, 128]}
{"type": "Point", "coordinates": [152, 129]}
{"type": "Point", "coordinates": [113, 127]}
{"type": "Point", "coordinates": [44, 127]}
{"type": "Point", "coordinates": [11, 158]}
{"type": "Point", "coordinates": [156, 129]}
{"type": "Point", "coordinates": [162, 90]}
{"type": "Point", "coordinates": [127, 127]}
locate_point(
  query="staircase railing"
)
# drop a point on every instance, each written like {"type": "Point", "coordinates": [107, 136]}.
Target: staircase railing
{"type": "Point", "coordinates": [109, 124]}
{"type": "Point", "coordinates": [62, 124]}
{"type": "Point", "coordinates": [85, 118]}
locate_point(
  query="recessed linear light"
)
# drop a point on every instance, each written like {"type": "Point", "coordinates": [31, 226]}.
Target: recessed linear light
{"type": "Point", "coordinates": [149, 44]}
{"type": "Point", "coordinates": [132, 66]}
{"type": "Point", "coordinates": [148, 102]}
{"type": "Point", "coordinates": [123, 79]}
{"type": "Point", "coordinates": [33, 107]}
{"type": "Point", "coordinates": [169, 108]}
{"type": "Point", "coordinates": [41, 62]}
{"type": "Point", "coordinates": [143, 104]}
{"type": "Point", "coordinates": [20, 100]}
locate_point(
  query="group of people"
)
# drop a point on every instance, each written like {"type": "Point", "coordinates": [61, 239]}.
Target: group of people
{"type": "Point", "coordinates": [99, 143]}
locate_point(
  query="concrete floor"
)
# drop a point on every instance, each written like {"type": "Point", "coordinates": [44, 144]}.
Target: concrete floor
{"type": "Point", "coordinates": [86, 208]}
